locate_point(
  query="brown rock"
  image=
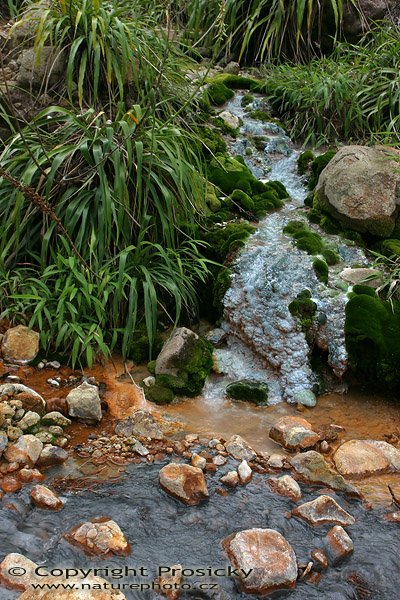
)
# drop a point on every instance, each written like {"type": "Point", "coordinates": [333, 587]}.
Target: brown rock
{"type": "Point", "coordinates": [237, 447]}
{"type": "Point", "coordinates": [268, 554]}
{"type": "Point", "coordinates": [100, 537]}
{"type": "Point", "coordinates": [20, 345]}
{"type": "Point", "coordinates": [24, 570]}
{"type": "Point", "coordinates": [141, 423]}
{"type": "Point", "coordinates": [231, 479]}
{"type": "Point", "coordinates": [174, 580]}
{"type": "Point", "coordinates": [320, 558]}
{"type": "Point", "coordinates": [52, 455]}
{"type": "Point", "coordinates": [313, 468]}
{"type": "Point", "coordinates": [25, 451]}
{"type": "Point", "coordinates": [338, 544]}
{"type": "Point", "coordinates": [184, 482]}
{"type": "Point", "coordinates": [285, 486]}
{"type": "Point", "coordinates": [198, 461]}
{"type": "Point", "coordinates": [294, 433]}
{"type": "Point", "coordinates": [362, 458]}
{"type": "Point", "coordinates": [10, 484]}
{"type": "Point", "coordinates": [43, 497]}
{"type": "Point", "coordinates": [323, 509]}
{"type": "Point", "coordinates": [28, 475]}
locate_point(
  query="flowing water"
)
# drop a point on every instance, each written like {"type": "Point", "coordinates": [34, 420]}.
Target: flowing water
{"type": "Point", "coordinates": [265, 343]}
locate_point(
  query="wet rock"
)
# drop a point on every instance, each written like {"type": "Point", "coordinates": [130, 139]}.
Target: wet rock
{"type": "Point", "coordinates": [98, 592]}
{"type": "Point", "coordinates": [56, 418]}
{"type": "Point", "coordinates": [25, 451]}
{"type": "Point", "coordinates": [230, 119]}
{"type": "Point", "coordinates": [249, 390]}
{"type": "Point", "coordinates": [319, 557]}
{"type": "Point", "coordinates": [219, 460]}
{"type": "Point", "coordinates": [294, 433]}
{"type": "Point", "coordinates": [305, 398]}
{"type": "Point", "coordinates": [23, 568]}
{"type": "Point", "coordinates": [52, 455]}
{"type": "Point", "coordinates": [184, 482]}
{"type": "Point", "coordinates": [347, 188]}
{"type": "Point", "coordinates": [27, 475]}
{"type": "Point", "coordinates": [338, 544]}
{"type": "Point", "coordinates": [362, 276]}
{"type": "Point", "coordinates": [170, 582]}
{"type": "Point", "coordinates": [323, 509]}
{"type": "Point", "coordinates": [245, 472]}
{"type": "Point", "coordinates": [43, 497]}
{"type": "Point", "coordinates": [29, 420]}
{"type": "Point", "coordinates": [84, 403]}
{"type": "Point", "coordinates": [136, 446]}
{"type": "Point", "coordinates": [285, 486]}
{"type": "Point", "coordinates": [362, 458]}
{"type": "Point", "coordinates": [237, 447]}
{"type": "Point", "coordinates": [198, 461]}
{"type": "Point", "coordinates": [10, 484]}
{"type": "Point", "coordinates": [277, 461]}
{"type": "Point", "coordinates": [20, 345]}
{"type": "Point", "coordinates": [231, 479]}
{"type": "Point", "coordinates": [268, 554]}
{"type": "Point", "coordinates": [100, 537]}
{"type": "Point", "coordinates": [141, 423]}
{"type": "Point", "coordinates": [393, 517]}
{"type": "Point", "coordinates": [313, 468]}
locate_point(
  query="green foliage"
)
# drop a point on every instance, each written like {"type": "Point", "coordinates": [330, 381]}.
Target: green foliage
{"type": "Point", "coordinates": [221, 285]}
{"type": "Point", "coordinates": [372, 332]}
{"type": "Point", "coordinates": [250, 390]}
{"type": "Point", "coordinates": [353, 95]}
{"type": "Point", "coordinates": [12, 8]}
{"type": "Point", "coordinates": [321, 270]}
{"type": "Point", "coordinates": [223, 126]}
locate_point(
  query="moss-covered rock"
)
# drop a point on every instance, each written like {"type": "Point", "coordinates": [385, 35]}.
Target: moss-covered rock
{"type": "Point", "coordinates": [318, 165]}
{"type": "Point", "coordinates": [310, 241]}
{"type": "Point", "coordinates": [372, 331]}
{"type": "Point", "coordinates": [140, 349]}
{"type": "Point", "coordinates": [221, 285]}
{"type": "Point", "coordinates": [224, 127]}
{"type": "Point", "coordinates": [184, 362]}
{"type": "Point", "coordinates": [304, 161]}
{"type": "Point", "coordinates": [261, 115]}
{"type": "Point", "coordinates": [246, 100]}
{"type": "Point", "coordinates": [237, 82]}
{"type": "Point", "coordinates": [218, 93]}
{"type": "Point", "coordinates": [159, 394]}
{"type": "Point", "coordinates": [249, 390]}
{"type": "Point", "coordinates": [212, 200]}
{"type": "Point", "coordinates": [211, 142]}
{"type": "Point", "coordinates": [321, 270]}
{"type": "Point", "coordinates": [243, 200]}
{"type": "Point", "coordinates": [223, 240]}
{"type": "Point", "coordinates": [303, 308]}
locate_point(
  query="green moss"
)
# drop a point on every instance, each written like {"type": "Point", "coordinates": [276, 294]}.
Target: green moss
{"type": "Point", "coordinates": [321, 270]}
{"type": "Point", "coordinates": [223, 240]}
{"type": "Point", "coordinates": [249, 151]}
{"type": "Point", "coordinates": [140, 350]}
{"type": "Point", "coordinates": [212, 200]}
{"type": "Point", "coordinates": [304, 161]}
{"type": "Point", "coordinates": [249, 390]}
{"type": "Point", "coordinates": [304, 309]}
{"type": "Point", "coordinates": [223, 126]}
{"type": "Point", "coordinates": [331, 257]}
{"type": "Point", "coordinates": [243, 200]}
{"type": "Point", "coordinates": [151, 367]}
{"type": "Point", "coordinates": [318, 165]}
{"type": "Point", "coordinates": [221, 285]}
{"type": "Point", "coordinates": [310, 242]}
{"type": "Point", "coordinates": [260, 115]}
{"type": "Point", "coordinates": [237, 82]}
{"type": "Point", "coordinates": [279, 188]}
{"type": "Point", "coordinates": [260, 141]}
{"type": "Point", "coordinates": [219, 94]}
{"type": "Point", "coordinates": [159, 394]}
{"type": "Point", "coordinates": [372, 331]}
{"type": "Point", "coordinates": [211, 141]}
{"type": "Point", "coordinates": [309, 201]}
{"type": "Point", "coordinates": [363, 290]}
{"type": "Point", "coordinates": [246, 100]}
{"type": "Point", "coordinates": [192, 366]}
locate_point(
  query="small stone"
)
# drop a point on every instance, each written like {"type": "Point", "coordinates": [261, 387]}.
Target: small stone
{"type": "Point", "coordinates": [28, 475]}
{"type": "Point", "coordinates": [184, 482]}
{"type": "Point", "coordinates": [43, 497]}
{"type": "Point", "coordinates": [99, 536]}
{"type": "Point", "coordinates": [219, 460]}
{"type": "Point", "coordinates": [10, 484]}
{"type": "Point", "coordinates": [84, 403]}
{"type": "Point", "coordinates": [141, 423]}
{"type": "Point", "coordinates": [237, 447]}
{"type": "Point", "coordinates": [323, 509]}
{"type": "Point", "coordinates": [149, 381]}
{"type": "Point", "coordinates": [338, 544]}
{"type": "Point", "coordinates": [285, 486]}
{"type": "Point", "coordinates": [56, 418]}
{"type": "Point", "coordinates": [14, 433]}
{"type": "Point", "coordinates": [135, 446]}
{"type": "Point", "coordinates": [305, 398]}
{"type": "Point", "coordinates": [324, 447]}
{"type": "Point", "coordinates": [17, 572]}
{"type": "Point", "coordinates": [320, 558]}
{"type": "Point", "coordinates": [245, 472]}
{"type": "Point", "coordinates": [56, 430]}
{"type": "Point", "coordinates": [3, 442]}
{"type": "Point", "coordinates": [25, 451]}
{"type": "Point", "coordinates": [294, 433]}
{"type": "Point", "coordinates": [231, 479]}
{"type": "Point", "coordinates": [20, 345]}
{"type": "Point", "coordinates": [313, 468]}
{"type": "Point", "coordinates": [267, 556]}
{"type": "Point", "coordinates": [29, 420]}
{"type": "Point", "coordinates": [198, 461]}
{"type": "Point", "coordinates": [277, 461]}
{"type": "Point", "coordinates": [52, 455]}
{"type": "Point", "coordinates": [192, 438]}
{"type": "Point", "coordinates": [214, 443]}
{"type": "Point", "coordinates": [230, 119]}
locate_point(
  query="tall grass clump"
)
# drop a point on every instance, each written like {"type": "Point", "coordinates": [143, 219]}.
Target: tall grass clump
{"type": "Point", "coordinates": [101, 196]}
{"type": "Point", "coordinates": [353, 95]}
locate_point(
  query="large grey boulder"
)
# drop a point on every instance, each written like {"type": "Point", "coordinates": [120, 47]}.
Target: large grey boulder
{"type": "Point", "coordinates": [360, 187]}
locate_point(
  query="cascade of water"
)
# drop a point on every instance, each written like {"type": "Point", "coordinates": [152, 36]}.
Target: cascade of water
{"type": "Point", "coordinates": [269, 273]}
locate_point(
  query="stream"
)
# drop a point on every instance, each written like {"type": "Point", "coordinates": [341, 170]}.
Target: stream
{"type": "Point", "coordinates": [263, 342]}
